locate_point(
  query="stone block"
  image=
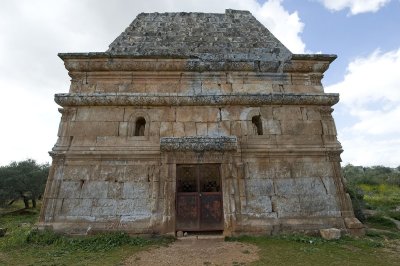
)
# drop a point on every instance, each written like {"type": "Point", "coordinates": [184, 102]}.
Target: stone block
{"type": "Point", "coordinates": [257, 88]}
{"type": "Point", "coordinates": [224, 128]}
{"type": "Point", "coordinates": [330, 233]}
{"type": "Point", "coordinates": [287, 113]}
{"type": "Point", "coordinates": [259, 170]}
{"type": "Point", "coordinates": [212, 129]}
{"type": "Point", "coordinates": [259, 187]}
{"type": "Point", "coordinates": [168, 114]}
{"type": "Point", "coordinates": [271, 127]}
{"type": "Point", "coordinates": [328, 127]}
{"type": "Point", "coordinates": [258, 206]}
{"type": "Point", "coordinates": [80, 128]}
{"type": "Point", "coordinates": [94, 189]}
{"type": "Point", "coordinates": [99, 114]}
{"type": "Point", "coordinates": [152, 87]}
{"type": "Point", "coordinates": [266, 112]}
{"type": "Point", "coordinates": [133, 190]}
{"type": "Point", "coordinates": [162, 114]}
{"type": "Point", "coordinates": [226, 87]}
{"type": "Point", "coordinates": [70, 189]}
{"type": "Point", "coordinates": [77, 172]}
{"type": "Point", "coordinates": [166, 129]}
{"type": "Point", "coordinates": [353, 223]}
{"type": "Point", "coordinates": [154, 130]}
{"type": "Point", "coordinates": [114, 190]}
{"type": "Point", "coordinates": [312, 169]}
{"type": "Point", "coordinates": [104, 207]}
{"type": "Point", "coordinates": [282, 169]}
{"type": "Point", "coordinates": [123, 129]}
{"type": "Point", "coordinates": [237, 88]}
{"type": "Point", "coordinates": [300, 127]}
{"type": "Point", "coordinates": [213, 114]}
{"type": "Point", "coordinates": [191, 114]}
{"type": "Point", "coordinates": [319, 205]}
{"type": "Point", "coordinates": [111, 172]}
{"type": "Point", "coordinates": [311, 113]}
{"type": "Point", "coordinates": [137, 87]}
{"type": "Point", "coordinates": [76, 207]}
{"type": "Point", "coordinates": [230, 113]}
{"type": "Point", "coordinates": [136, 173]}
{"type": "Point", "coordinates": [125, 87]}
{"type": "Point", "coordinates": [288, 140]}
{"type": "Point", "coordinates": [201, 129]}
{"type": "Point", "coordinates": [190, 129]}
{"type": "Point", "coordinates": [178, 129]}
{"type": "Point", "coordinates": [244, 131]}
{"type": "Point", "coordinates": [236, 129]}
{"type": "Point", "coordinates": [286, 206]}
{"type": "Point", "coordinates": [106, 86]}
{"type": "Point", "coordinates": [135, 208]}
{"type": "Point", "coordinates": [300, 186]}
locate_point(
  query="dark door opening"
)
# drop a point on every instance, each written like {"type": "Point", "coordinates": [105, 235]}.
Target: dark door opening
{"type": "Point", "coordinates": [198, 198]}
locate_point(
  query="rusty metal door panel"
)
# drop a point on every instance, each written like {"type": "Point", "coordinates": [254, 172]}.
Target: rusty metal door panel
{"type": "Point", "coordinates": [211, 211]}
{"type": "Point", "coordinates": [187, 211]}
{"type": "Point", "coordinates": [198, 197]}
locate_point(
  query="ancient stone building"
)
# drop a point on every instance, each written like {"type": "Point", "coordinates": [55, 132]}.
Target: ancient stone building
{"type": "Point", "coordinates": [194, 122]}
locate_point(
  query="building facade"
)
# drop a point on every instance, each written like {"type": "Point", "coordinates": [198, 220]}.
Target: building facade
{"type": "Point", "coordinates": [196, 122]}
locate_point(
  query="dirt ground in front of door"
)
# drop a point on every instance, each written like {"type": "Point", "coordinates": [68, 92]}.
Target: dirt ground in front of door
{"type": "Point", "coordinates": [195, 252]}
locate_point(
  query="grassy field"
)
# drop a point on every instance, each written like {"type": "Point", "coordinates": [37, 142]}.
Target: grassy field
{"type": "Point", "coordinates": [24, 246]}
{"type": "Point", "coordinates": [302, 250]}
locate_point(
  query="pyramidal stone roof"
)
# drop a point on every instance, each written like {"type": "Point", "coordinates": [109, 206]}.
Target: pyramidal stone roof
{"type": "Point", "coordinates": [234, 36]}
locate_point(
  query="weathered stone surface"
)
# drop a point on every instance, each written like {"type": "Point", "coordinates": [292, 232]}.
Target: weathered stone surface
{"type": "Point", "coordinates": [200, 35]}
{"type": "Point", "coordinates": [199, 144]}
{"type": "Point", "coordinates": [330, 233]}
{"type": "Point", "coordinates": [137, 99]}
{"type": "Point", "coordinates": [196, 91]}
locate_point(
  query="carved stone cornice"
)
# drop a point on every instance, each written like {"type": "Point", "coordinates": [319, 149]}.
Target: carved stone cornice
{"type": "Point", "coordinates": [165, 99]}
{"type": "Point", "coordinates": [334, 156]}
{"type": "Point", "coordinates": [89, 62]}
{"type": "Point", "coordinates": [67, 113]}
{"type": "Point", "coordinates": [198, 144]}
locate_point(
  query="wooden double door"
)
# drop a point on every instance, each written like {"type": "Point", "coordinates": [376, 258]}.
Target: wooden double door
{"type": "Point", "coordinates": [199, 198]}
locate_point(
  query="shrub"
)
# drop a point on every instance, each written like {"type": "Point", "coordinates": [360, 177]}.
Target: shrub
{"type": "Point", "coordinates": [357, 199]}
{"type": "Point", "coordinates": [380, 221]}
{"type": "Point", "coordinates": [394, 215]}
{"type": "Point", "coordinates": [100, 242]}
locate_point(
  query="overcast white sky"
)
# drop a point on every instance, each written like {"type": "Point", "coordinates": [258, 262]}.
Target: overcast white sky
{"type": "Point", "coordinates": [367, 73]}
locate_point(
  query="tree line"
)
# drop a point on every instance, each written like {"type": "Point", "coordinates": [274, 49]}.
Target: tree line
{"type": "Point", "coordinates": [374, 175]}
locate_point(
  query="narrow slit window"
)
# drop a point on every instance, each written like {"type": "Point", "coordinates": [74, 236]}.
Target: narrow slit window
{"type": "Point", "coordinates": [257, 125]}
{"type": "Point", "coordinates": [140, 126]}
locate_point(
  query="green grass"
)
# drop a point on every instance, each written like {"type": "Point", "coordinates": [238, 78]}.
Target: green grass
{"type": "Point", "coordinates": [381, 197]}
{"type": "Point", "coordinates": [380, 222]}
{"type": "Point", "coordinates": [304, 250]}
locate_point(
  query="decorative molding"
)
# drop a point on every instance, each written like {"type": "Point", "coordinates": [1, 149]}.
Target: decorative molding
{"type": "Point", "coordinates": [334, 156]}
{"type": "Point", "coordinates": [164, 99]}
{"type": "Point", "coordinates": [198, 144]}
{"type": "Point", "coordinates": [315, 79]}
{"type": "Point", "coordinates": [93, 62]}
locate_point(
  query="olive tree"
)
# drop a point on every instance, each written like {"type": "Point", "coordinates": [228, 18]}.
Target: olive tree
{"type": "Point", "coordinates": [24, 180]}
